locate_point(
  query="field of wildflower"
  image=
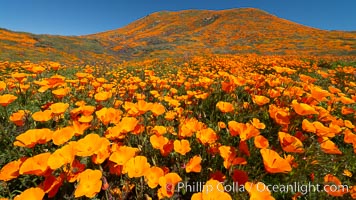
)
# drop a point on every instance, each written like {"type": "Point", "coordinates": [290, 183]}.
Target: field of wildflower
{"type": "Point", "coordinates": [227, 127]}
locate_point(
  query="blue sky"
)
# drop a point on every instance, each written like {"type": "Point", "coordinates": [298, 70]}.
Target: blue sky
{"type": "Point", "coordinates": [80, 17]}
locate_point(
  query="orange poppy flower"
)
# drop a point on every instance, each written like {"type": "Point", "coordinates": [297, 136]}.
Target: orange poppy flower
{"type": "Point", "coordinates": [123, 154]}
{"type": "Point", "coordinates": [346, 100]}
{"type": "Point", "coordinates": [245, 131]}
{"type": "Point", "coordinates": [346, 111]}
{"type": "Point", "coordinates": [73, 170]}
{"type": "Point", "coordinates": [52, 184]}
{"type": "Point", "coordinates": [168, 183]}
{"type": "Point", "coordinates": [60, 93]}
{"type": "Point", "coordinates": [89, 183]}
{"type": "Point", "coordinates": [109, 115]}
{"type": "Point", "coordinates": [290, 143]}
{"type": "Point", "coordinates": [159, 130]}
{"type": "Point", "coordinates": [85, 119]}
{"type": "Point", "coordinates": [2, 86]}
{"type": "Point", "coordinates": [59, 108]}
{"type": "Point", "coordinates": [19, 76]}
{"type": "Point", "coordinates": [319, 94]}
{"type": "Point", "coordinates": [42, 116]}
{"type": "Point", "coordinates": [62, 156]}
{"type": "Point", "coordinates": [225, 107]}
{"type": "Point", "coordinates": [349, 124]}
{"type": "Point", "coordinates": [6, 99]}
{"type": "Point", "coordinates": [258, 191]}
{"type": "Point", "coordinates": [131, 108]}
{"type": "Point", "coordinates": [280, 115]}
{"type": "Point", "coordinates": [79, 128]}
{"type": "Point", "coordinates": [329, 147]}
{"type": "Point", "coordinates": [212, 189]}
{"type": "Point", "coordinates": [260, 100]}
{"type": "Point", "coordinates": [157, 109]}
{"type": "Point", "coordinates": [303, 109]}
{"type": "Point", "coordinates": [11, 170]}
{"type": "Point", "coordinates": [136, 167]}
{"type": "Point", "coordinates": [229, 155]}
{"type": "Point", "coordinates": [307, 126]}
{"type": "Point", "coordinates": [257, 124]}
{"type": "Point", "coordinates": [102, 96]}
{"type": "Point", "coordinates": [194, 165]}
{"type": "Point", "coordinates": [334, 187]}
{"type": "Point", "coordinates": [36, 165]}
{"type": "Point", "coordinates": [104, 151]}
{"type": "Point", "coordinates": [274, 163]}
{"type": "Point", "coordinates": [323, 131]}
{"type": "Point", "coordinates": [88, 145]}
{"type": "Point", "coordinates": [33, 137]}
{"type": "Point", "coordinates": [207, 136]}
{"type": "Point", "coordinates": [128, 124]}
{"type": "Point", "coordinates": [143, 106]}
{"type": "Point", "coordinates": [18, 118]}
{"type": "Point", "coordinates": [62, 135]}
{"type": "Point", "coordinates": [87, 110]}
{"type": "Point", "coordinates": [181, 146]}
{"type": "Point", "coordinates": [152, 176]}
{"type": "Point", "coordinates": [170, 115]}
{"type": "Point", "coordinates": [31, 193]}
{"type": "Point", "coordinates": [158, 142]}
{"type": "Point", "coordinates": [260, 142]}
{"type": "Point", "coordinates": [222, 125]}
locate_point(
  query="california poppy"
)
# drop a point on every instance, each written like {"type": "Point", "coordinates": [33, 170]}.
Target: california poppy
{"type": "Point", "coordinates": [225, 107]}
{"type": "Point", "coordinates": [274, 163]}
{"type": "Point", "coordinates": [303, 109]}
{"type": "Point", "coordinates": [52, 184]}
{"type": "Point", "coordinates": [333, 186]}
{"type": "Point", "coordinates": [207, 136]}
{"type": "Point", "coordinates": [290, 143]}
{"type": "Point", "coordinates": [152, 176]}
{"type": "Point", "coordinates": [6, 99]}
{"type": "Point", "coordinates": [212, 189]}
{"type": "Point", "coordinates": [260, 142]}
{"type": "Point", "coordinates": [42, 116]}
{"type": "Point", "coordinates": [89, 183]}
{"type": "Point", "coordinates": [329, 147]}
{"type": "Point", "coordinates": [260, 100]}
{"type": "Point", "coordinates": [62, 156]}
{"type": "Point", "coordinates": [244, 131]}
{"type": "Point", "coordinates": [103, 152]}
{"type": "Point", "coordinates": [88, 145]}
{"type": "Point", "coordinates": [157, 109]}
{"type": "Point", "coordinates": [33, 137]}
{"type": "Point", "coordinates": [136, 167]}
{"type": "Point", "coordinates": [258, 191]}
{"type": "Point", "coordinates": [36, 165]}
{"type": "Point", "coordinates": [31, 193]}
{"type": "Point", "coordinates": [11, 169]}
{"type": "Point", "coordinates": [19, 117]}
{"type": "Point", "coordinates": [158, 142]}
{"type": "Point", "coordinates": [59, 108]}
{"type": "Point", "coordinates": [181, 146]}
{"type": "Point", "coordinates": [257, 124]}
{"type": "Point", "coordinates": [194, 164]}
{"type": "Point", "coordinates": [123, 154]}
{"type": "Point", "coordinates": [168, 183]}
{"type": "Point", "coordinates": [62, 135]}
{"type": "Point", "coordinates": [102, 96]}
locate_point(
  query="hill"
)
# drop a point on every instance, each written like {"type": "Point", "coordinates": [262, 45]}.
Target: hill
{"type": "Point", "coordinates": [183, 33]}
